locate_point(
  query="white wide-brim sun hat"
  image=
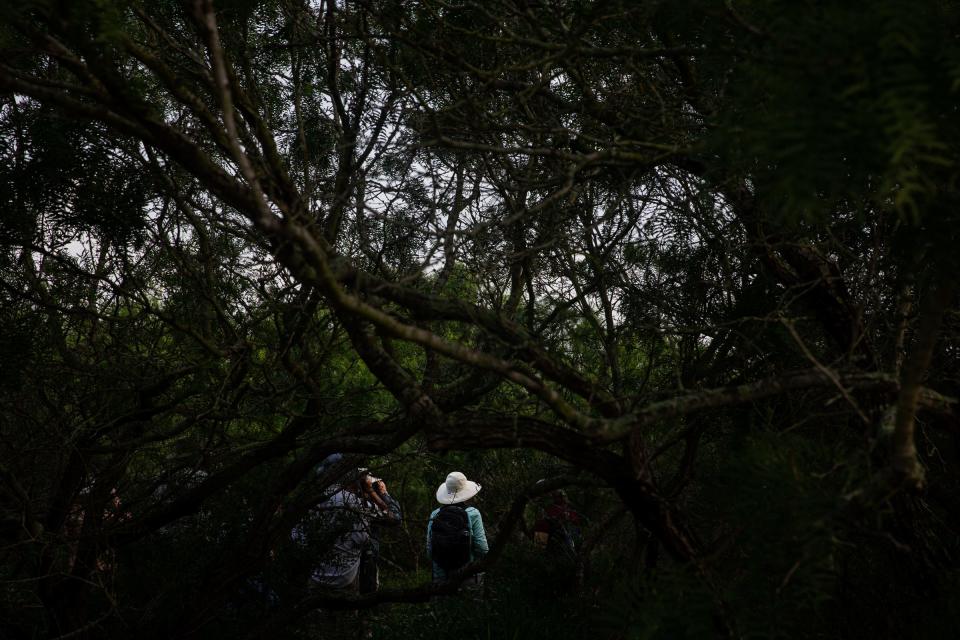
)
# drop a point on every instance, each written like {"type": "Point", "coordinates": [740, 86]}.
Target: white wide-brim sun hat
{"type": "Point", "coordinates": [456, 489]}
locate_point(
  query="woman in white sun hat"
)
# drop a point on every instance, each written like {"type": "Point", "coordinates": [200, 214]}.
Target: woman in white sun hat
{"type": "Point", "coordinates": [455, 534]}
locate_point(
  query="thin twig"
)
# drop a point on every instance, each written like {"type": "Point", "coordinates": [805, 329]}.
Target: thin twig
{"type": "Point", "coordinates": [825, 370]}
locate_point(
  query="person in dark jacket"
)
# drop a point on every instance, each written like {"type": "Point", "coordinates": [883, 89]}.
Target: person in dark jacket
{"type": "Point", "coordinates": [347, 517]}
{"type": "Point", "coordinates": [341, 529]}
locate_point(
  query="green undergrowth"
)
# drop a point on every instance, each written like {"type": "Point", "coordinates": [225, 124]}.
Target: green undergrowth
{"type": "Point", "coordinates": [528, 595]}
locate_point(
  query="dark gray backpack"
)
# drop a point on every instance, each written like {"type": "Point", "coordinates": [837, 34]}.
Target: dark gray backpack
{"type": "Point", "coordinates": [450, 537]}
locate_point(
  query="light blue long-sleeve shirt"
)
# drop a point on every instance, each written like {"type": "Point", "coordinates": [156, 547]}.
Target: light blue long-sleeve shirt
{"type": "Point", "coordinates": [478, 539]}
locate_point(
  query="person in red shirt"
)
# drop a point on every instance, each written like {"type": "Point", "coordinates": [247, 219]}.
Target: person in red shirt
{"type": "Point", "coordinates": [559, 528]}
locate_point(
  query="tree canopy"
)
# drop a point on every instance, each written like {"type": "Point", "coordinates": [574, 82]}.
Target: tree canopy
{"type": "Point", "coordinates": [694, 260]}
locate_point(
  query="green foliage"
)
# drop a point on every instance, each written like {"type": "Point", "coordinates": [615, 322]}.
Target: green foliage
{"type": "Point", "coordinates": [837, 102]}
{"type": "Point", "coordinates": [579, 201]}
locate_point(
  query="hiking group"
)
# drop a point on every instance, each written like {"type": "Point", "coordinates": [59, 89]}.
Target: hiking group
{"type": "Point", "coordinates": [347, 522]}
{"type": "Point", "coordinates": [343, 530]}
{"type": "Point", "coordinates": [341, 536]}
